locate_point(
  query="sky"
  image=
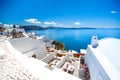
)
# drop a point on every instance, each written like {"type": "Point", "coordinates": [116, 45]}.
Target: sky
{"type": "Point", "coordinates": [61, 13]}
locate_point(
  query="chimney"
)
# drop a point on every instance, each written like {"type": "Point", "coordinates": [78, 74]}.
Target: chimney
{"type": "Point", "coordinates": [94, 41]}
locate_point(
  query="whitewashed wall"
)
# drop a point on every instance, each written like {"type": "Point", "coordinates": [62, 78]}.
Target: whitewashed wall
{"type": "Point", "coordinates": [95, 68]}
{"type": "Point", "coordinates": [29, 47]}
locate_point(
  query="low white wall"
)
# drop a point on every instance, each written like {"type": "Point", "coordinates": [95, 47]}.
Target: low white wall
{"type": "Point", "coordinates": [61, 62]}
{"type": "Point", "coordinates": [48, 58]}
{"type": "Point", "coordinates": [29, 47]}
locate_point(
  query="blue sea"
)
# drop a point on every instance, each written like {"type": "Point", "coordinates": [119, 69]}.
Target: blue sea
{"type": "Point", "coordinates": [76, 39]}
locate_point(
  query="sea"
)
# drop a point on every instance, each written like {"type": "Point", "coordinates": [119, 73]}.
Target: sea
{"type": "Point", "coordinates": [76, 39]}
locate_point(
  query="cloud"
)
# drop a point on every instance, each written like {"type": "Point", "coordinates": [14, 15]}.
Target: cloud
{"type": "Point", "coordinates": [77, 23]}
{"type": "Point", "coordinates": [0, 23]}
{"type": "Point", "coordinates": [33, 21]}
{"type": "Point", "coordinates": [50, 23]}
{"type": "Point", "coordinates": [113, 12]}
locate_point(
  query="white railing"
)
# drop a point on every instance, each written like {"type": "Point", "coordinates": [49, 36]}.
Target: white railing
{"type": "Point", "coordinates": [48, 58]}
{"type": "Point", "coordinates": [61, 62]}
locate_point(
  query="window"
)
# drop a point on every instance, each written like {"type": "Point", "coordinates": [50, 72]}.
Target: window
{"type": "Point", "coordinates": [1, 33]}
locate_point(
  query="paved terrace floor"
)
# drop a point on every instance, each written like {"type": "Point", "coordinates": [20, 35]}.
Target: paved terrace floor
{"type": "Point", "coordinates": [75, 73]}
{"type": "Point", "coordinates": [75, 65]}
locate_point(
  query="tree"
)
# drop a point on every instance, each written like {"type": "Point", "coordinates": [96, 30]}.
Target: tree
{"type": "Point", "coordinates": [58, 45]}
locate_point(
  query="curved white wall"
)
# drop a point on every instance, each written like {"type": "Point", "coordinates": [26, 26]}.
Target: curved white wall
{"type": "Point", "coordinates": [29, 47]}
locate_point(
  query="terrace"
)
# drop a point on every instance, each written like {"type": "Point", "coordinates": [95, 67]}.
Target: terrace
{"type": "Point", "coordinates": [68, 62]}
{"type": "Point", "coordinates": [64, 62]}
{"type": "Point", "coordinates": [48, 50]}
{"type": "Point", "coordinates": [52, 64]}
{"type": "Point", "coordinates": [70, 67]}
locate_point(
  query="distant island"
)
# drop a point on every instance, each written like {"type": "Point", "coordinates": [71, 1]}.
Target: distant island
{"type": "Point", "coordinates": [35, 27]}
{"type": "Point", "coordinates": [32, 27]}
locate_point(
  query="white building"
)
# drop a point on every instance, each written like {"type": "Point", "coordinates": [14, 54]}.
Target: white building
{"type": "Point", "coordinates": [103, 59]}
{"type": "Point", "coordinates": [16, 66]}
{"type": "Point", "coordinates": [29, 47]}
{"type": "Point", "coordinates": [3, 31]}
{"type": "Point", "coordinates": [47, 41]}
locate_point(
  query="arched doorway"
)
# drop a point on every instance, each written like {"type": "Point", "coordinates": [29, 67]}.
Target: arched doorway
{"type": "Point", "coordinates": [34, 56]}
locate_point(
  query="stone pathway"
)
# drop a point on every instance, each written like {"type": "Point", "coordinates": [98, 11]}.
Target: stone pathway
{"type": "Point", "coordinates": [10, 67]}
